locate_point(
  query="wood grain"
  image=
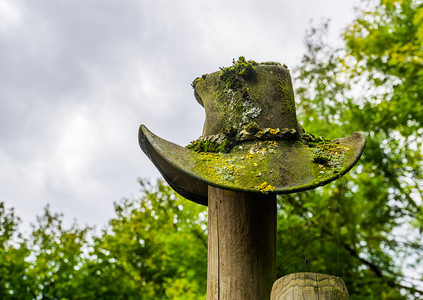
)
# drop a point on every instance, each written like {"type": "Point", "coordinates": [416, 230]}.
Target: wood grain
{"type": "Point", "coordinates": [310, 286]}
{"type": "Point", "coordinates": [242, 245]}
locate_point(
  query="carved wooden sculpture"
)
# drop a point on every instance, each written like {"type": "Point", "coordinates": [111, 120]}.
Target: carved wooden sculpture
{"type": "Point", "coordinates": [252, 148]}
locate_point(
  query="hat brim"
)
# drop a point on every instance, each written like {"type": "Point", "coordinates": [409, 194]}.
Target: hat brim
{"type": "Point", "coordinates": [278, 167]}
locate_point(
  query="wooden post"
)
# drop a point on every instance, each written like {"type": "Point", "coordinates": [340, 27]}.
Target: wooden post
{"type": "Point", "coordinates": [242, 245]}
{"type": "Point", "coordinates": [310, 286]}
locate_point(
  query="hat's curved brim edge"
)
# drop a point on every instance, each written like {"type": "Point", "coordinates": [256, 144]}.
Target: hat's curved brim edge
{"type": "Point", "coordinates": [173, 175]}
{"type": "Point", "coordinates": [195, 188]}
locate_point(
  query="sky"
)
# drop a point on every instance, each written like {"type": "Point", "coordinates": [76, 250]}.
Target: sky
{"type": "Point", "coordinates": [77, 78]}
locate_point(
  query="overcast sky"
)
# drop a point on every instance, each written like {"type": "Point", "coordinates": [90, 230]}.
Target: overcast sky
{"type": "Point", "coordinates": [77, 78]}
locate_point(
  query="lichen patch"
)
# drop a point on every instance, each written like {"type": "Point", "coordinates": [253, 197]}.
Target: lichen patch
{"type": "Point", "coordinates": [265, 188]}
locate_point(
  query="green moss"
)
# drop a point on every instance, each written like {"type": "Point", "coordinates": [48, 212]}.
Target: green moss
{"type": "Point", "coordinates": [332, 148]}
{"type": "Point", "coordinates": [329, 155]}
{"type": "Point", "coordinates": [224, 146]}
{"type": "Point", "coordinates": [312, 141]}
{"type": "Point", "coordinates": [214, 144]}
{"type": "Point", "coordinates": [246, 94]}
{"type": "Point", "coordinates": [245, 166]}
{"type": "Point", "coordinates": [321, 159]}
{"type": "Point", "coordinates": [253, 132]}
{"type": "Point", "coordinates": [198, 79]}
{"type": "Point", "coordinates": [270, 63]}
{"type": "Point", "coordinates": [230, 132]}
{"type": "Point", "coordinates": [241, 70]}
{"type": "Point", "coordinates": [265, 166]}
{"type": "Point", "coordinates": [252, 128]}
{"type": "Point", "coordinates": [204, 146]}
{"type": "Point", "coordinates": [250, 165]}
{"type": "Point", "coordinates": [287, 94]}
{"type": "Point", "coordinates": [223, 143]}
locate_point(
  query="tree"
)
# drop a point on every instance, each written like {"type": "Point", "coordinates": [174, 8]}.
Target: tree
{"type": "Point", "coordinates": [155, 248]}
{"type": "Point", "coordinates": [56, 258]}
{"type": "Point", "coordinates": [14, 280]}
{"type": "Point", "coordinates": [373, 216]}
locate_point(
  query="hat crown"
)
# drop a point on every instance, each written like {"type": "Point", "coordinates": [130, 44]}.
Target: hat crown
{"type": "Point", "coordinates": [247, 95]}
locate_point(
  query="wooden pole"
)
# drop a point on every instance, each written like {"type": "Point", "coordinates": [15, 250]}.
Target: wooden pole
{"type": "Point", "coordinates": [242, 245]}
{"type": "Point", "coordinates": [310, 286]}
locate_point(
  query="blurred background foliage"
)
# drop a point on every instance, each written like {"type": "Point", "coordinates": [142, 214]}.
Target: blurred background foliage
{"type": "Point", "coordinates": [365, 227]}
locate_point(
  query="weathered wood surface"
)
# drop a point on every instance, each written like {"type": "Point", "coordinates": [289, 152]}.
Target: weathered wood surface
{"type": "Point", "coordinates": [242, 245]}
{"type": "Point", "coordinates": [310, 286]}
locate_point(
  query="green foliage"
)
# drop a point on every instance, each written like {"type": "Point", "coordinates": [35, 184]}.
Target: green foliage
{"type": "Point", "coordinates": [155, 248]}
{"type": "Point", "coordinates": [56, 257]}
{"type": "Point", "coordinates": [370, 86]}
{"type": "Point", "coordinates": [384, 46]}
{"type": "Point", "coordinates": [15, 281]}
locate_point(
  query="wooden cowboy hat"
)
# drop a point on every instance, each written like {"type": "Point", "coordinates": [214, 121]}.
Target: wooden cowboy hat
{"type": "Point", "coordinates": [251, 141]}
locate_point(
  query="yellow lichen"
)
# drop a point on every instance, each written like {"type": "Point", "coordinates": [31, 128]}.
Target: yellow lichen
{"type": "Point", "coordinates": [265, 187]}
{"type": "Point", "coordinates": [196, 80]}
{"type": "Point", "coordinates": [333, 148]}
{"type": "Point", "coordinates": [273, 131]}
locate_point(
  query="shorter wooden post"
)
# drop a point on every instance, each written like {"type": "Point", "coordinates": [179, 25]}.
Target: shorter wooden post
{"type": "Point", "coordinates": [310, 286]}
{"type": "Point", "coordinates": [242, 245]}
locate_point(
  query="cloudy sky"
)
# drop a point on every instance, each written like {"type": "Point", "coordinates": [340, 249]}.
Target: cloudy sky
{"type": "Point", "coordinates": [77, 78]}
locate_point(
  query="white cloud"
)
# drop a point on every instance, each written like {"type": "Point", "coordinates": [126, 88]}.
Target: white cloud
{"type": "Point", "coordinates": [10, 14]}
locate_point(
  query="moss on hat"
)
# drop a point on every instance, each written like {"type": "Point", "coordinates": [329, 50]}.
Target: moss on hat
{"type": "Point", "coordinates": [251, 141]}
